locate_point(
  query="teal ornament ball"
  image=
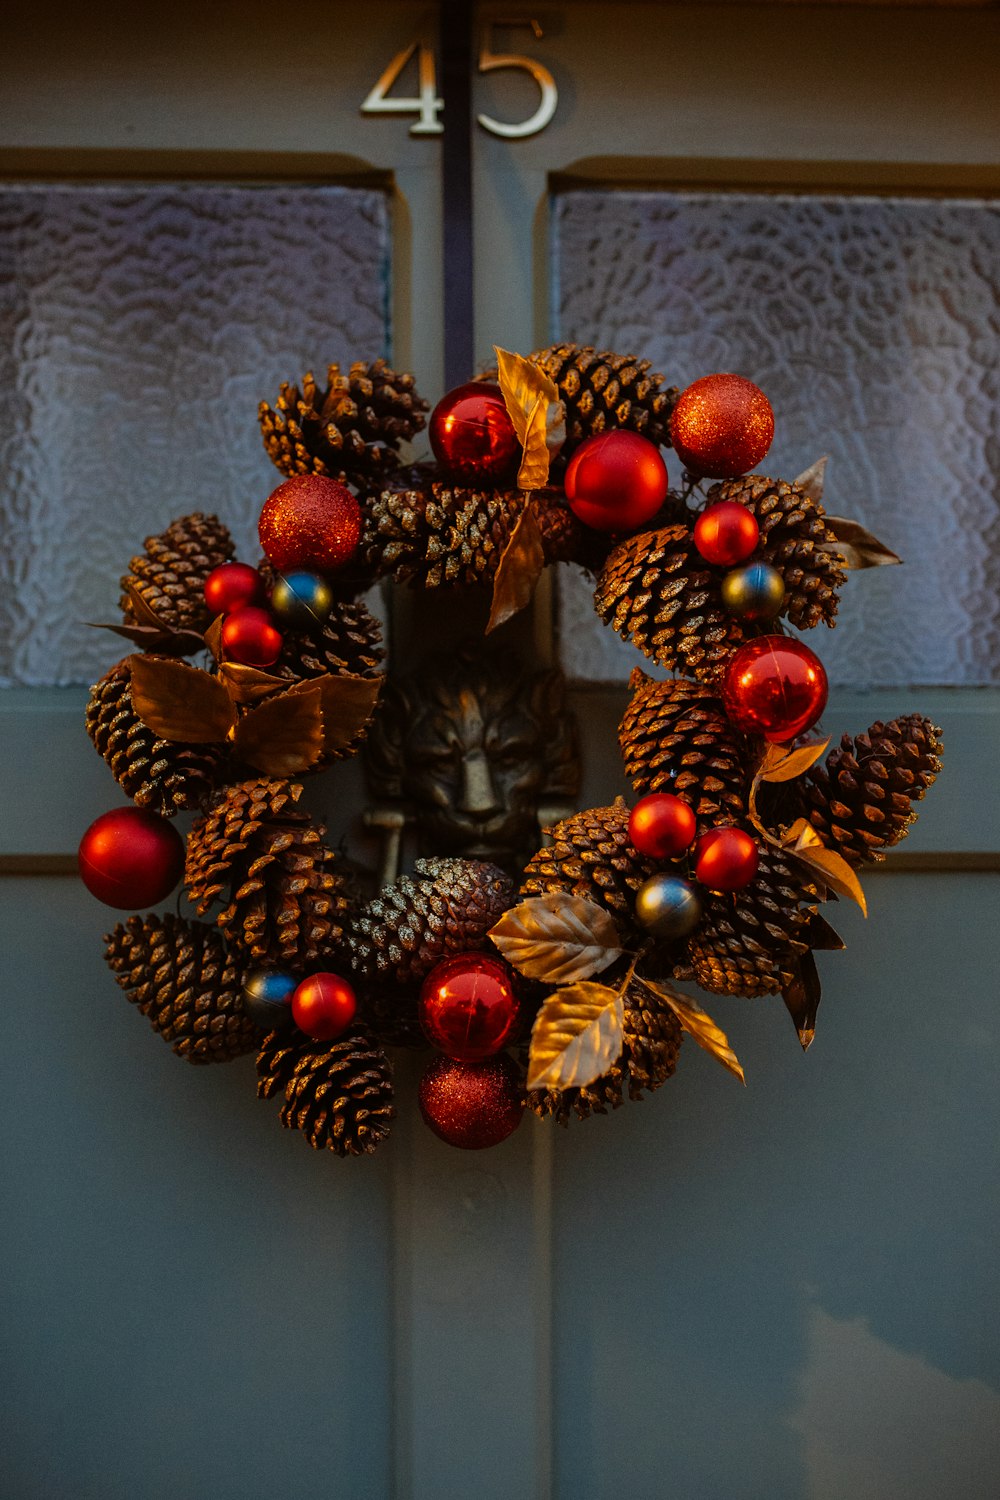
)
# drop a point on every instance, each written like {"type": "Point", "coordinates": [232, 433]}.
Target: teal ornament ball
{"type": "Point", "coordinates": [301, 601]}
{"type": "Point", "coordinates": [668, 907]}
{"type": "Point", "coordinates": [755, 592]}
{"type": "Point", "coordinates": [267, 997]}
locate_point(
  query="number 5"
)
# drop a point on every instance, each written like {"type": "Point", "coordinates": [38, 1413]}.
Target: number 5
{"type": "Point", "coordinates": [490, 61]}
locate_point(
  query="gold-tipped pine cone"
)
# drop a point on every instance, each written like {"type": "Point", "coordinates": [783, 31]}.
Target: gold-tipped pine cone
{"type": "Point", "coordinates": [349, 640]}
{"type": "Point", "coordinates": [602, 390]}
{"type": "Point", "coordinates": [440, 534]}
{"type": "Point", "coordinates": [170, 573]}
{"type": "Point", "coordinates": [592, 856]}
{"type": "Point", "coordinates": [338, 1094]}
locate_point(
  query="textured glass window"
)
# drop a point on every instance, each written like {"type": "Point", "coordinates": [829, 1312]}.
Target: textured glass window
{"type": "Point", "coordinates": [872, 325]}
{"type": "Point", "coordinates": [139, 328]}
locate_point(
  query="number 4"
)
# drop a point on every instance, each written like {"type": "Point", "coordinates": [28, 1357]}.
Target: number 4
{"type": "Point", "coordinates": [426, 104]}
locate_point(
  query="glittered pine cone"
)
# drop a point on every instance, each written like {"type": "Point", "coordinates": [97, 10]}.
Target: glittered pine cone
{"type": "Point", "coordinates": [170, 575]}
{"type": "Point", "coordinates": [591, 855]}
{"type": "Point", "coordinates": [446, 906]}
{"type": "Point", "coordinates": [602, 390]}
{"type": "Point", "coordinates": [439, 534]}
{"type": "Point", "coordinates": [338, 1094]}
{"type": "Point", "coordinates": [286, 898]}
{"type": "Point", "coordinates": [349, 640]}
{"type": "Point", "coordinates": [185, 983]}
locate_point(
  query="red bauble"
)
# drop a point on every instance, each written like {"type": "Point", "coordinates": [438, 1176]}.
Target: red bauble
{"type": "Point", "coordinates": [726, 859]}
{"type": "Point", "coordinates": [472, 434]}
{"type": "Point", "coordinates": [726, 533]}
{"type": "Point", "coordinates": [616, 481]}
{"type": "Point", "coordinates": [323, 1006]}
{"type": "Point", "coordinates": [129, 858]}
{"type": "Point", "coordinates": [310, 522]}
{"type": "Point", "coordinates": [468, 1007]}
{"type": "Point", "coordinates": [249, 636]}
{"type": "Point", "coordinates": [722, 426]}
{"type": "Point", "coordinates": [472, 1105]}
{"type": "Point", "coordinates": [661, 825]}
{"type": "Point", "coordinates": [774, 686]}
{"type": "Point", "coordinates": [232, 586]}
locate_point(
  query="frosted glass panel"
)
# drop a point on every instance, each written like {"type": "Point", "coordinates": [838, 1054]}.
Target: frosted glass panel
{"type": "Point", "coordinates": [872, 324]}
{"type": "Point", "coordinates": [139, 328]}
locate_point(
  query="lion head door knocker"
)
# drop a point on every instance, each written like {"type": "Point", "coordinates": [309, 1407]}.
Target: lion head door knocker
{"type": "Point", "coordinates": [470, 754]}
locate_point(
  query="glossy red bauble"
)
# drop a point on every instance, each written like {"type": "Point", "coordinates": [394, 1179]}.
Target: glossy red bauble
{"type": "Point", "coordinates": [323, 1006]}
{"type": "Point", "coordinates": [616, 481]}
{"type": "Point", "coordinates": [129, 857]}
{"type": "Point", "coordinates": [726, 533]}
{"type": "Point", "coordinates": [468, 1008]}
{"type": "Point", "coordinates": [726, 859]}
{"type": "Point", "coordinates": [661, 825]}
{"type": "Point", "coordinates": [722, 426]}
{"type": "Point", "coordinates": [472, 434]}
{"type": "Point", "coordinates": [774, 686]}
{"type": "Point", "coordinates": [232, 586]}
{"type": "Point", "coordinates": [310, 522]}
{"type": "Point", "coordinates": [250, 637]}
{"type": "Point", "coordinates": [472, 1105]}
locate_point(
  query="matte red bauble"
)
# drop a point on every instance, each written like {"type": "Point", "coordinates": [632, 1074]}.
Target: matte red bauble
{"type": "Point", "coordinates": [726, 533]}
{"type": "Point", "coordinates": [722, 426]}
{"type": "Point", "coordinates": [472, 434]}
{"type": "Point", "coordinates": [661, 825]}
{"type": "Point", "coordinates": [616, 481]}
{"type": "Point", "coordinates": [310, 522]}
{"type": "Point", "coordinates": [129, 857]}
{"type": "Point", "coordinates": [468, 1008]}
{"type": "Point", "coordinates": [774, 686]}
{"type": "Point", "coordinates": [249, 636]}
{"type": "Point", "coordinates": [472, 1105]}
{"type": "Point", "coordinates": [726, 859]}
{"type": "Point", "coordinates": [323, 1006]}
{"type": "Point", "coordinates": [232, 586]}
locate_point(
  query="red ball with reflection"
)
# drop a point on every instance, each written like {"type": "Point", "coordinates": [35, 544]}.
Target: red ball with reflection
{"type": "Point", "coordinates": [774, 686]}
{"type": "Point", "coordinates": [722, 426]}
{"type": "Point", "coordinates": [310, 522]}
{"type": "Point", "coordinates": [250, 637]}
{"type": "Point", "coordinates": [323, 1006]}
{"type": "Point", "coordinates": [472, 434]}
{"type": "Point", "coordinates": [232, 586]}
{"type": "Point", "coordinates": [726, 859]}
{"type": "Point", "coordinates": [616, 481]}
{"type": "Point", "coordinates": [129, 857]}
{"type": "Point", "coordinates": [661, 825]}
{"type": "Point", "coordinates": [472, 1105]}
{"type": "Point", "coordinates": [468, 1008]}
{"type": "Point", "coordinates": [726, 533]}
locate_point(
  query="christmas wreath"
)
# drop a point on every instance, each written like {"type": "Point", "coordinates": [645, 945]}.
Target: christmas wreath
{"type": "Point", "coordinates": [555, 991]}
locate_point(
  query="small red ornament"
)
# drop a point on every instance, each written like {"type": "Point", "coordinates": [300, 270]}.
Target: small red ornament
{"type": "Point", "coordinates": [232, 586]}
{"type": "Point", "coordinates": [774, 686]}
{"type": "Point", "coordinates": [472, 1105]}
{"type": "Point", "coordinates": [129, 857]}
{"type": "Point", "coordinates": [661, 825]}
{"type": "Point", "coordinates": [250, 637]}
{"type": "Point", "coordinates": [323, 1006]}
{"type": "Point", "coordinates": [726, 533]}
{"type": "Point", "coordinates": [472, 434]}
{"type": "Point", "coordinates": [468, 1007]}
{"type": "Point", "coordinates": [616, 481]}
{"type": "Point", "coordinates": [722, 426]}
{"type": "Point", "coordinates": [310, 522]}
{"type": "Point", "coordinates": [726, 859]}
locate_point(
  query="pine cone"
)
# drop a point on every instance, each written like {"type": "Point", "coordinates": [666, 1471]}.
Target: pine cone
{"type": "Point", "coordinates": [792, 528]}
{"type": "Point", "coordinates": [185, 983]}
{"type": "Point", "coordinates": [350, 430]}
{"type": "Point", "coordinates": [171, 576]}
{"type": "Point", "coordinates": [287, 898]}
{"type": "Point", "coordinates": [591, 855]}
{"type": "Point", "coordinates": [446, 906]}
{"type": "Point", "coordinates": [604, 390]}
{"type": "Point", "coordinates": [441, 534]}
{"type": "Point", "coordinates": [349, 640]}
{"type": "Point", "coordinates": [675, 737]}
{"type": "Point", "coordinates": [158, 774]}
{"type": "Point", "coordinates": [859, 800]}
{"type": "Point", "coordinates": [339, 1094]}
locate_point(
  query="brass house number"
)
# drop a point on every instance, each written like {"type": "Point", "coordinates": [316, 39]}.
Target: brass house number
{"type": "Point", "coordinates": [427, 106]}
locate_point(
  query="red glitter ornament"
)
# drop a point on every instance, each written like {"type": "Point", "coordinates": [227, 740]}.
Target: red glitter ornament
{"type": "Point", "coordinates": [616, 481]}
{"type": "Point", "coordinates": [468, 1007]}
{"type": "Point", "coordinates": [661, 825]}
{"type": "Point", "coordinates": [726, 533]}
{"type": "Point", "coordinates": [774, 686]}
{"type": "Point", "coordinates": [323, 1006]}
{"type": "Point", "coordinates": [722, 426]}
{"type": "Point", "coordinates": [472, 434]}
{"type": "Point", "coordinates": [310, 522]}
{"type": "Point", "coordinates": [249, 636]}
{"type": "Point", "coordinates": [472, 1105]}
{"type": "Point", "coordinates": [129, 857]}
{"type": "Point", "coordinates": [726, 859]}
{"type": "Point", "coordinates": [232, 586]}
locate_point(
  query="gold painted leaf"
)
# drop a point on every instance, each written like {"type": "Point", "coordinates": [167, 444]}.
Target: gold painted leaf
{"type": "Point", "coordinates": [181, 703]}
{"type": "Point", "coordinates": [156, 638]}
{"type": "Point", "coordinates": [856, 546]}
{"type": "Point", "coordinates": [813, 479]}
{"type": "Point", "coordinates": [558, 938]}
{"type": "Point", "coordinates": [213, 638]}
{"type": "Point", "coordinates": [282, 735]}
{"type": "Point", "coordinates": [781, 763]}
{"type": "Point", "coordinates": [348, 702]}
{"type": "Point", "coordinates": [534, 471]}
{"type": "Point", "coordinates": [802, 999]}
{"type": "Point", "coordinates": [576, 1037]}
{"type": "Point", "coordinates": [537, 413]}
{"type": "Point", "coordinates": [249, 684]}
{"type": "Point", "coordinates": [699, 1026]}
{"type": "Point", "coordinates": [804, 842]}
{"type": "Point", "coordinates": [824, 938]}
{"type": "Point", "coordinates": [518, 572]}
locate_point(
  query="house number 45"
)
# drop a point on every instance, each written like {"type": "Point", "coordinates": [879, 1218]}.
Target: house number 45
{"type": "Point", "coordinates": [427, 106]}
